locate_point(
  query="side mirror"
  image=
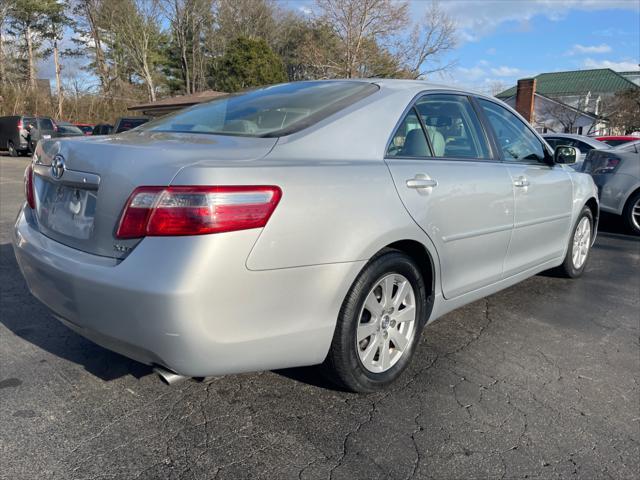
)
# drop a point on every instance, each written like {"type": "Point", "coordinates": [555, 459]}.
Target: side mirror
{"type": "Point", "coordinates": [565, 155]}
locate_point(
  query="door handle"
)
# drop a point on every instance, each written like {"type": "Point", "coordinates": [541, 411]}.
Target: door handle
{"type": "Point", "coordinates": [421, 181]}
{"type": "Point", "coordinates": [521, 182]}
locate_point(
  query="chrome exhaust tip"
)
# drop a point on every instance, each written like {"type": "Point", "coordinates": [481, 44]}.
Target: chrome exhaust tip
{"type": "Point", "coordinates": [168, 376]}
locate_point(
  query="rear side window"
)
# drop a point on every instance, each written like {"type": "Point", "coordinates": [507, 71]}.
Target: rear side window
{"type": "Point", "coordinates": [409, 139]}
{"type": "Point", "coordinates": [516, 141]}
{"type": "Point", "coordinates": [453, 127]}
{"type": "Point", "coordinates": [267, 112]}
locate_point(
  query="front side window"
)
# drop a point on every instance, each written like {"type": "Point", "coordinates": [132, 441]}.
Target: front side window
{"type": "Point", "coordinates": [267, 112]}
{"type": "Point", "coordinates": [453, 126]}
{"type": "Point", "coordinates": [516, 141]}
{"type": "Point", "coordinates": [409, 139]}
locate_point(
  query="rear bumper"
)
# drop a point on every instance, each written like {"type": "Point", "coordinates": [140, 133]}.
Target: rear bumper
{"type": "Point", "coordinates": [614, 190]}
{"type": "Point", "coordinates": [188, 303]}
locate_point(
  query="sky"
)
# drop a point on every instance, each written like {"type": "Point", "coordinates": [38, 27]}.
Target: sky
{"type": "Point", "coordinates": [504, 40]}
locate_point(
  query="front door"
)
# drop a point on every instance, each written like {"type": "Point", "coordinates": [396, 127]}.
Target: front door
{"type": "Point", "coordinates": [454, 190]}
{"type": "Point", "coordinates": [543, 192]}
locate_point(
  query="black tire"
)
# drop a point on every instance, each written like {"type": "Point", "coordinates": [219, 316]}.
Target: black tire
{"type": "Point", "coordinates": [627, 213]}
{"type": "Point", "coordinates": [12, 150]}
{"type": "Point", "coordinates": [343, 365]}
{"type": "Point", "coordinates": [568, 268]}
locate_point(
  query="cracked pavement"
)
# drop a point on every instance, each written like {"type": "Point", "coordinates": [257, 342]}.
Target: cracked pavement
{"type": "Point", "coordinates": [537, 381]}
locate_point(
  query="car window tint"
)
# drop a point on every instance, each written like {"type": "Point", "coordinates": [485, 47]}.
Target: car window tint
{"type": "Point", "coordinates": [46, 124]}
{"type": "Point", "coordinates": [583, 147]}
{"type": "Point", "coordinates": [517, 142]}
{"type": "Point", "coordinates": [453, 127]}
{"type": "Point", "coordinates": [554, 142]}
{"type": "Point", "coordinates": [409, 139]}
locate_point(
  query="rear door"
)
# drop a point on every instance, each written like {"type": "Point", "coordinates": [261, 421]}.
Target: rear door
{"type": "Point", "coordinates": [543, 192]}
{"type": "Point", "coordinates": [454, 189]}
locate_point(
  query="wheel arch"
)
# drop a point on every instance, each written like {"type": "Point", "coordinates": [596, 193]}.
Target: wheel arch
{"type": "Point", "coordinates": [425, 262]}
{"type": "Point", "coordinates": [592, 204]}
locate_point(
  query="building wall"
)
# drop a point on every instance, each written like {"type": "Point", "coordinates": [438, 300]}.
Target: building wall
{"type": "Point", "coordinates": [553, 117]}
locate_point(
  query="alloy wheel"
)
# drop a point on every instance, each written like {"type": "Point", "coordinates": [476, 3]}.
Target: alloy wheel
{"type": "Point", "coordinates": [387, 323]}
{"type": "Point", "coordinates": [581, 242]}
{"type": "Point", "coordinates": [635, 214]}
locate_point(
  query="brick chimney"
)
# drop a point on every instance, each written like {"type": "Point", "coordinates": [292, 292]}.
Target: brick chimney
{"type": "Point", "coordinates": [525, 98]}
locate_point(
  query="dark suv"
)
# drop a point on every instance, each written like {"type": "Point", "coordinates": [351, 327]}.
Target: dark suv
{"type": "Point", "coordinates": [19, 134]}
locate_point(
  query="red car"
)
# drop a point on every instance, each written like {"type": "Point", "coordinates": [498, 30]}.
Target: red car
{"type": "Point", "coordinates": [87, 128]}
{"type": "Point", "coordinates": [615, 140]}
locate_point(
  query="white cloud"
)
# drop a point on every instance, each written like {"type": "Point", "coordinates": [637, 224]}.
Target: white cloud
{"type": "Point", "coordinates": [578, 49]}
{"type": "Point", "coordinates": [477, 19]}
{"type": "Point", "coordinates": [473, 73]}
{"type": "Point", "coordinates": [491, 51]}
{"type": "Point", "coordinates": [504, 71]}
{"type": "Point", "coordinates": [622, 66]}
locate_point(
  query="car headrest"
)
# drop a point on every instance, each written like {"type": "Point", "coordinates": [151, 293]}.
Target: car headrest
{"type": "Point", "coordinates": [415, 144]}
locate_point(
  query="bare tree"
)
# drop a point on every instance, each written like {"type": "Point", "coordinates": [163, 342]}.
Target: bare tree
{"type": "Point", "coordinates": [137, 30]}
{"type": "Point", "coordinates": [4, 13]}
{"type": "Point", "coordinates": [430, 39]}
{"type": "Point", "coordinates": [91, 37]}
{"type": "Point", "coordinates": [554, 113]}
{"type": "Point", "coordinates": [355, 21]}
{"type": "Point", "coordinates": [187, 19]}
{"type": "Point", "coordinates": [495, 87]}
{"type": "Point", "coordinates": [624, 111]}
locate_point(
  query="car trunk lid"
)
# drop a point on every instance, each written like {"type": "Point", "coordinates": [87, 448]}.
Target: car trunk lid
{"type": "Point", "coordinates": [81, 185]}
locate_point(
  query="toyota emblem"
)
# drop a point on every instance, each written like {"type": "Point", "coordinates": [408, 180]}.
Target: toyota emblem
{"type": "Point", "coordinates": [57, 166]}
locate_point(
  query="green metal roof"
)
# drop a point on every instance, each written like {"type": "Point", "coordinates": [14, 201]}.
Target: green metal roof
{"type": "Point", "coordinates": [578, 82]}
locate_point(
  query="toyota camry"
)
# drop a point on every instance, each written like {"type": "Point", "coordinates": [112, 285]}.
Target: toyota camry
{"type": "Point", "coordinates": [320, 222]}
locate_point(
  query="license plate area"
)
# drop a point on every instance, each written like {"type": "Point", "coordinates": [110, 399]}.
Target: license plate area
{"type": "Point", "coordinates": [65, 209]}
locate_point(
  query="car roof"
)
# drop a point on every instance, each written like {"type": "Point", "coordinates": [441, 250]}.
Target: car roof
{"type": "Point", "coordinates": [574, 136]}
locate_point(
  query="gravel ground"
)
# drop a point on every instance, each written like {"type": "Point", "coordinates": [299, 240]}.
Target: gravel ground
{"type": "Point", "coordinates": [538, 381]}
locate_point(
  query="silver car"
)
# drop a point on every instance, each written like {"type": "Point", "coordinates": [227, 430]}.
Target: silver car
{"type": "Point", "coordinates": [616, 172]}
{"type": "Point", "coordinates": [582, 144]}
{"type": "Point", "coordinates": [303, 223]}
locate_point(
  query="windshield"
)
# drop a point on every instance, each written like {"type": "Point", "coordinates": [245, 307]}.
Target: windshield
{"type": "Point", "coordinates": [629, 147]}
{"type": "Point", "coordinates": [266, 112]}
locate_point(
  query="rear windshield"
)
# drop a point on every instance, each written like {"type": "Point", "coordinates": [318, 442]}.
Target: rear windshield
{"type": "Point", "coordinates": [267, 112]}
{"type": "Point", "coordinates": [46, 124]}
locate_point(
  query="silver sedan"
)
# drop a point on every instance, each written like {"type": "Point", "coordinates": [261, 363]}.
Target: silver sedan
{"type": "Point", "coordinates": [303, 223]}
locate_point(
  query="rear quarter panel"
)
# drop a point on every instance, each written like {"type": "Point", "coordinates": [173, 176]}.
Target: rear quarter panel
{"type": "Point", "coordinates": [330, 211]}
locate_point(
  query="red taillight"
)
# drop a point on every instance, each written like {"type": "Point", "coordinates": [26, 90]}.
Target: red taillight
{"type": "Point", "coordinates": [607, 165]}
{"type": "Point", "coordinates": [28, 186]}
{"type": "Point", "coordinates": [196, 210]}
{"type": "Point", "coordinates": [19, 125]}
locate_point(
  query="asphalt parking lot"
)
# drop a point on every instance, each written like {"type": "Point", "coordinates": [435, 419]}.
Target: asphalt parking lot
{"type": "Point", "coordinates": [538, 381]}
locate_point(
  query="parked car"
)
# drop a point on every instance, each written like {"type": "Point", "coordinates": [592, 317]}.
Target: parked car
{"type": "Point", "coordinates": [582, 143]}
{"type": "Point", "coordinates": [102, 129]}
{"type": "Point", "coordinates": [66, 129]}
{"type": "Point", "coordinates": [87, 128]}
{"type": "Point", "coordinates": [616, 172]}
{"type": "Point", "coordinates": [124, 124]}
{"type": "Point", "coordinates": [20, 133]}
{"type": "Point", "coordinates": [303, 223]}
{"type": "Point", "coordinates": [615, 140]}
